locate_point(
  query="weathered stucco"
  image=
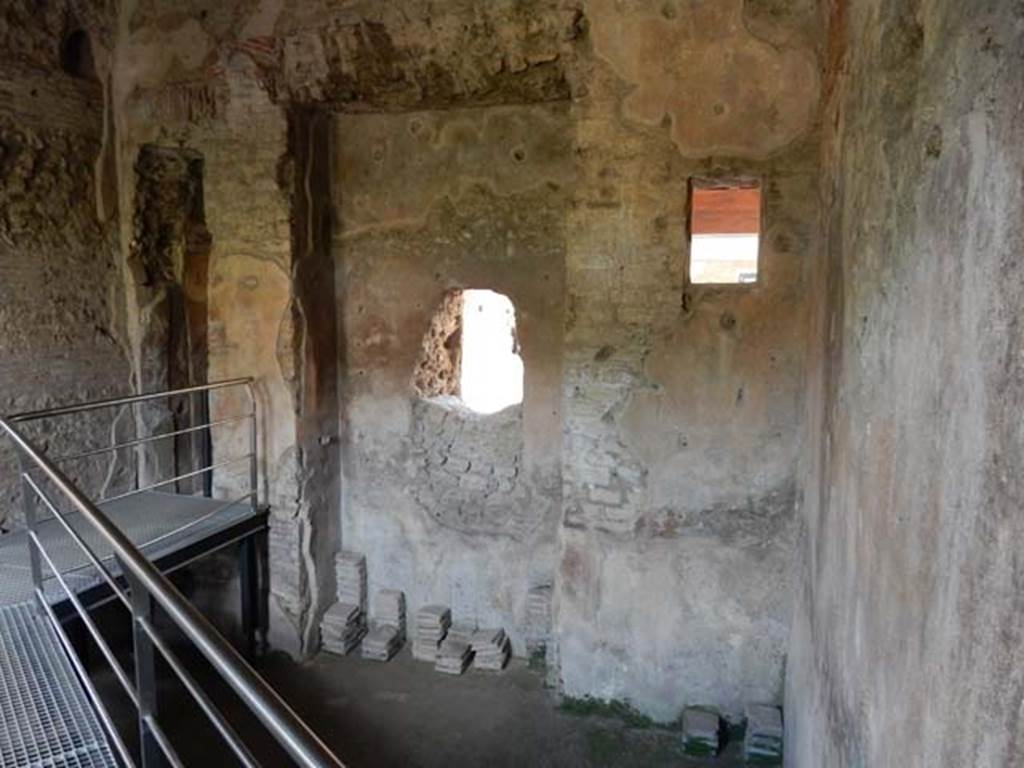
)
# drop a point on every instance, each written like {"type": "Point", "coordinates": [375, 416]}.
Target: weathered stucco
{"type": "Point", "coordinates": [450, 505]}
{"type": "Point", "coordinates": [263, 273]}
{"type": "Point", "coordinates": [682, 421]}
{"type": "Point", "coordinates": [908, 636]}
{"type": "Point", "coordinates": [718, 83]}
{"type": "Point", "coordinates": [360, 161]}
{"type": "Point", "coordinates": [302, 184]}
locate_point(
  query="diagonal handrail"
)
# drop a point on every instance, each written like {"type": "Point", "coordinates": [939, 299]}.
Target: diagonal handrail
{"type": "Point", "coordinates": [148, 584]}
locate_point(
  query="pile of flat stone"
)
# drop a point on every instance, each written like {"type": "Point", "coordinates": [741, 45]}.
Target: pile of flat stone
{"type": "Point", "coordinates": [491, 649]}
{"type": "Point", "coordinates": [701, 731]}
{"type": "Point", "coordinates": [344, 625]}
{"type": "Point", "coordinates": [538, 617]}
{"type": "Point", "coordinates": [389, 609]}
{"type": "Point", "coordinates": [381, 642]}
{"type": "Point", "coordinates": [342, 628]}
{"type": "Point", "coordinates": [350, 571]}
{"type": "Point", "coordinates": [432, 623]}
{"type": "Point", "coordinates": [453, 656]}
{"type": "Point", "coordinates": [387, 630]}
{"type": "Point", "coordinates": [763, 741]}
{"type": "Point", "coordinates": [462, 631]}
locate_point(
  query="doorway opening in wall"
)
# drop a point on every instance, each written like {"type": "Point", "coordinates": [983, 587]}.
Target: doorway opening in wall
{"type": "Point", "coordinates": [725, 231]}
{"type": "Point", "coordinates": [470, 353]}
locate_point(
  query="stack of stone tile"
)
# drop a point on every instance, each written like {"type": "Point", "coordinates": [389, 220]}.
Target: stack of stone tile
{"type": "Point", "coordinates": [461, 631]}
{"type": "Point", "coordinates": [763, 742]}
{"type": "Point", "coordinates": [350, 570]}
{"type": "Point", "coordinates": [491, 649]}
{"type": "Point", "coordinates": [701, 729]}
{"type": "Point", "coordinates": [432, 623]}
{"type": "Point", "coordinates": [387, 630]}
{"type": "Point", "coordinates": [341, 628]}
{"type": "Point", "coordinates": [381, 642]}
{"type": "Point", "coordinates": [453, 657]}
{"type": "Point", "coordinates": [389, 609]}
{"type": "Point", "coordinates": [344, 624]}
{"type": "Point", "coordinates": [538, 617]}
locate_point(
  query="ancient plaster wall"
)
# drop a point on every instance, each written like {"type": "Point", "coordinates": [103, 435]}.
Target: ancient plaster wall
{"type": "Point", "coordinates": [224, 79]}
{"type": "Point", "coordinates": [61, 337]}
{"type": "Point", "coordinates": [907, 639]}
{"type": "Point", "coordinates": [257, 176]}
{"type": "Point", "coordinates": [450, 505]}
{"type": "Point", "coordinates": [682, 404]}
{"type": "Point", "coordinates": [648, 482]}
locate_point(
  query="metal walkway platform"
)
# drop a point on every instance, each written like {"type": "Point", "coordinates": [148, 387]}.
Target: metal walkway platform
{"type": "Point", "coordinates": [76, 553]}
{"type": "Point", "coordinates": [168, 528]}
{"type": "Point", "coordinates": [46, 718]}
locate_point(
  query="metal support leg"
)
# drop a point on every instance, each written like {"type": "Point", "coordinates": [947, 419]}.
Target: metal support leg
{"type": "Point", "coordinates": [249, 588]}
{"type": "Point", "coordinates": [79, 635]}
{"type": "Point", "coordinates": [254, 589]}
{"type": "Point", "coordinates": [145, 673]}
{"type": "Point", "coordinates": [262, 540]}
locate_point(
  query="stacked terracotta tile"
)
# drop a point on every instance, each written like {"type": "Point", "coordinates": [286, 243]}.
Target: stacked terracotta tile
{"type": "Point", "coordinates": [344, 625]}
{"type": "Point", "coordinates": [491, 649]}
{"type": "Point", "coordinates": [453, 656]}
{"type": "Point", "coordinates": [387, 629]}
{"type": "Point", "coordinates": [432, 623]}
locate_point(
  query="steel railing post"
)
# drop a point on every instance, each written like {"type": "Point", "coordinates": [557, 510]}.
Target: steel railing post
{"type": "Point", "coordinates": [204, 440]}
{"type": "Point", "coordinates": [145, 670]}
{"type": "Point", "coordinates": [29, 508]}
{"type": "Point", "coordinates": [253, 444]}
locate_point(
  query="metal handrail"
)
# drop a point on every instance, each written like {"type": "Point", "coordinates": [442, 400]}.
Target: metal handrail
{"type": "Point", "coordinates": [64, 410]}
{"type": "Point", "coordinates": [149, 586]}
{"type": "Point", "coordinates": [147, 439]}
{"type": "Point", "coordinates": [176, 478]}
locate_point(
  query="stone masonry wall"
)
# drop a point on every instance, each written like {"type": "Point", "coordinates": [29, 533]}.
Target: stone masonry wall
{"type": "Point", "coordinates": [61, 332]}
{"type": "Point", "coordinates": [260, 300]}
{"type": "Point", "coordinates": [447, 504]}
{"type": "Point", "coordinates": [683, 403]}
{"type": "Point", "coordinates": [646, 488]}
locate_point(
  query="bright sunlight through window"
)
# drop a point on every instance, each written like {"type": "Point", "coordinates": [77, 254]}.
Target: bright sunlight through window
{"type": "Point", "coordinates": [492, 370]}
{"type": "Point", "coordinates": [725, 226]}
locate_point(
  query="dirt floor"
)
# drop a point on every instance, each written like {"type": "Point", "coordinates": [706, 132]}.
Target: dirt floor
{"type": "Point", "coordinates": [403, 713]}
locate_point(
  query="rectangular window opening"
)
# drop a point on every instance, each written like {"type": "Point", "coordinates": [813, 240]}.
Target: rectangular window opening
{"type": "Point", "coordinates": [725, 230]}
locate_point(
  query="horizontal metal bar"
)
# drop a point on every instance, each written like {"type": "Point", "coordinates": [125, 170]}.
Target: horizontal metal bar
{"type": "Point", "coordinates": [151, 438]}
{"type": "Point", "coordinates": [163, 742]}
{"type": "Point", "coordinates": [185, 476]}
{"type": "Point", "coordinates": [45, 413]}
{"type": "Point", "coordinates": [83, 614]}
{"type": "Point", "coordinates": [96, 562]}
{"type": "Point", "coordinates": [280, 720]}
{"type": "Point", "coordinates": [90, 688]}
{"type": "Point", "coordinates": [175, 532]}
{"type": "Point", "coordinates": [209, 708]}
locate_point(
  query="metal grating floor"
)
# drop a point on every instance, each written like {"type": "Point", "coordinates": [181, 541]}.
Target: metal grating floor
{"type": "Point", "coordinates": [142, 518]}
{"type": "Point", "coordinates": [46, 718]}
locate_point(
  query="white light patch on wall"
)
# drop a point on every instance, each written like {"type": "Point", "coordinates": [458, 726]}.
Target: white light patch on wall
{"type": "Point", "coordinates": [723, 258]}
{"type": "Point", "coordinates": [492, 370]}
